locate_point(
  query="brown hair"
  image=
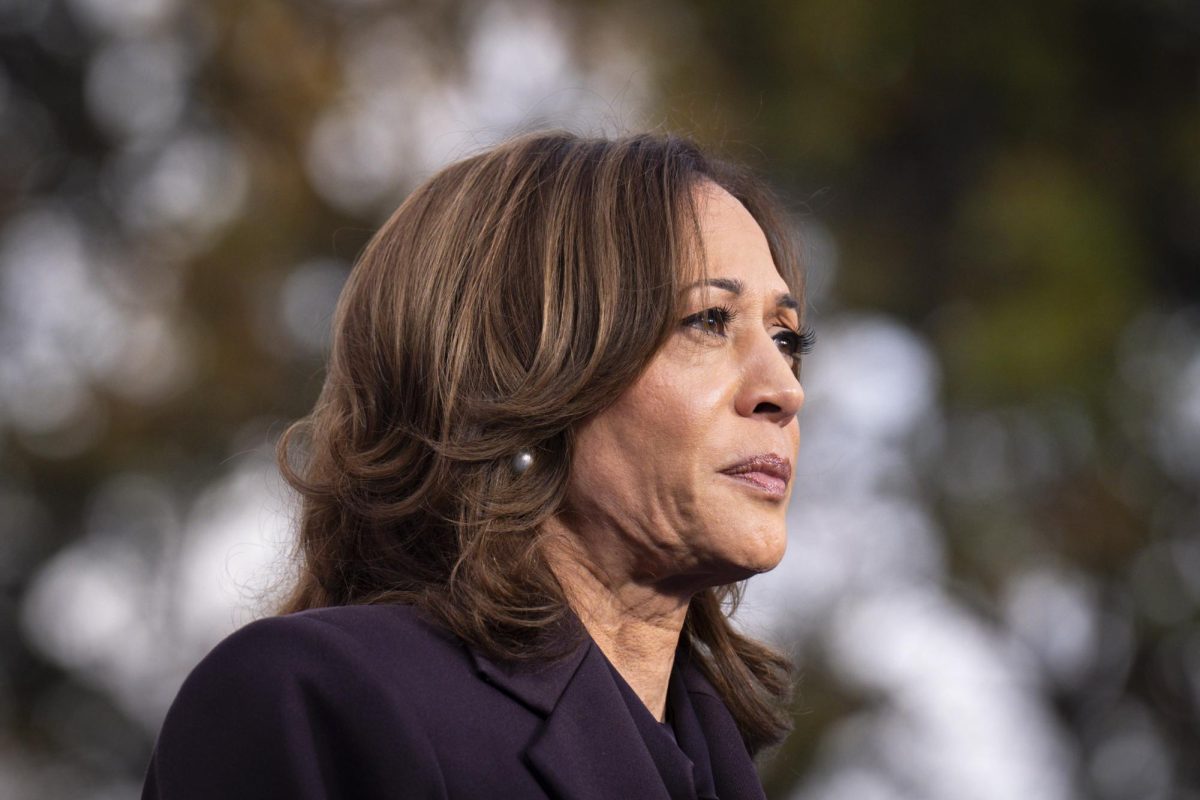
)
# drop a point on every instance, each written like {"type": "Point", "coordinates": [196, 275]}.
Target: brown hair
{"type": "Point", "coordinates": [512, 296]}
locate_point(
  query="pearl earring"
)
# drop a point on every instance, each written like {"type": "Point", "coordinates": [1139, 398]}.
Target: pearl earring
{"type": "Point", "coordinates": [522, 461]}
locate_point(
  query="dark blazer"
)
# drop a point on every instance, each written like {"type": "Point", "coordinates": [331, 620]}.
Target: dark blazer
{"type": "Point", "coordinates": [375, 702]}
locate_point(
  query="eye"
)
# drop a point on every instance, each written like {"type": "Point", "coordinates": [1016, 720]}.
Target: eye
{"type": "Point", "coordinates": [795, 344]}
{"type": "Point", "coordinates": [711, 320]}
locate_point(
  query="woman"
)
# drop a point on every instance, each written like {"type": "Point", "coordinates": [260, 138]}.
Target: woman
{"type": "Point", "coordinates": [558, 426]}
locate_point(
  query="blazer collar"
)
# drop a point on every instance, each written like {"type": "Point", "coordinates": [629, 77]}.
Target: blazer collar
{"type": "Point", "coordinates": [588, 747]}
{"type": "Point", "coordinates": [536, 685]}
{"type": "Point", "coordinates": [732, 765]}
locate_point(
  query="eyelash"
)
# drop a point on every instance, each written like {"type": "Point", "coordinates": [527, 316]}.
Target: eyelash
{"type": "Point", "coordinates": [799, 343]}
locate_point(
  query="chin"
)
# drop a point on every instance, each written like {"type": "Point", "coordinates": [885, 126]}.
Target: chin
{"type": "Point", "coordinates": [763, 557]}
{"type": "Point", "coordinates": [768, 562]}
{"type": "Point", "coordinates": [774, 546]}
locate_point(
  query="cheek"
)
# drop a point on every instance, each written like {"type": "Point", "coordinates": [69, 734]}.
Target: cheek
{"type": "Point", "coordinates": [681, 392]}
{"type": "Point", "coordinates": [651, 445]}
{"type": "Point", "coordinates": [672, 415]}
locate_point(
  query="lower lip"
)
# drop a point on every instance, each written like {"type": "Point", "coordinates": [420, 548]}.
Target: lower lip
{"type": "Point", "coordinates": [761, 482]}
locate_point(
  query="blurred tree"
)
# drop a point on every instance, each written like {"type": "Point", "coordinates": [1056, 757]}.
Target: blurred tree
{"type": "Point", "coordinates": [1017, 181]}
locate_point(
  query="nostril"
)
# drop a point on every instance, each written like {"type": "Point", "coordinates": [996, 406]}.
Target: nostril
{"type": "Point", "coordinates": [767, 408]}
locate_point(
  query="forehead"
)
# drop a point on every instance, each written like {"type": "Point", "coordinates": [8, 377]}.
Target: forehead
{"type": "Point", "coordinates": [734, 245]}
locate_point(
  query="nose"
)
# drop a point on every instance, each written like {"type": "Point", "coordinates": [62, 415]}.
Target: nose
{"type": "Point", "coordinates": [770, 389]}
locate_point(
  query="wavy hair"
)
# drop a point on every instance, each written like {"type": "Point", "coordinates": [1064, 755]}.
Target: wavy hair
{"type": "Point", "coordinates": [512, 296]}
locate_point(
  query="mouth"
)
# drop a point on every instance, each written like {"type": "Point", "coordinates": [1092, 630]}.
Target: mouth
{"type": "Point", "coordinates": [767, 473]}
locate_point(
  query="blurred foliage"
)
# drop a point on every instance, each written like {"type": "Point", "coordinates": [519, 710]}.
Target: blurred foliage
{"type": "Point", "coordinates": [1018, 182]}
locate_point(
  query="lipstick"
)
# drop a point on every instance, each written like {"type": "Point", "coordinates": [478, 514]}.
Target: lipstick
{"type": "Point", "coordinates": [768, 473]}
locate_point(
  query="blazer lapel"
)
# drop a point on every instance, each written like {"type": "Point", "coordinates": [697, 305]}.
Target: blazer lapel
{"type": "Point", "coordinates": [732, 767]}
{"type": "Point", "coordinates": [589, 748]}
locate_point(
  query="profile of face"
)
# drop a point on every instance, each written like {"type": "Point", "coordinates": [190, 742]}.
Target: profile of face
{"type": "Point", "coordinates": [684, 481]}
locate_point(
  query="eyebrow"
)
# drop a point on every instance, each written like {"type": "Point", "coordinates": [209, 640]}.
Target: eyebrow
{"type": "Point", "coordinates": [736, 287]}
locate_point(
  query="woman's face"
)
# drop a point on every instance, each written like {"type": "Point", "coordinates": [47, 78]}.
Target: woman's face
{"type": "Point", "coordinates": [685, 479]}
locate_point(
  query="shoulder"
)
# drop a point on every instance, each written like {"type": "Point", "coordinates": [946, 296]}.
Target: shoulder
{"type": "Point", "coordinates": [353, 667]}
{"type": "Point", "coordinates": [290, 704]}
{"type": "Point", "coordinates": [362, 627]}
{"type": "Point", "coordinates": [381, 641]}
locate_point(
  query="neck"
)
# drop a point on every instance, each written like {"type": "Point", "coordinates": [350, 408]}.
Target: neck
{"type": "Point", "coordinates": [635, 625]}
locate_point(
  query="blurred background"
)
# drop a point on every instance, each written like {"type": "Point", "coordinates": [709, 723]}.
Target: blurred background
{"type": "Point", "coordinates": [993, 581]}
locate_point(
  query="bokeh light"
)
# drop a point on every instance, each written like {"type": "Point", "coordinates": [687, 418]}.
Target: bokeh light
{"type": "Point", "coordinates": [992, 587]}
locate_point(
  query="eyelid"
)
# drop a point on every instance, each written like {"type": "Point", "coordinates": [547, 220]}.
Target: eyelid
{"type": "Point", "coordinates": [798, 342]}
{"type": "Point", "coordinates": [805, 336]}
{"type": "Point", "coordinates": [725, 317]}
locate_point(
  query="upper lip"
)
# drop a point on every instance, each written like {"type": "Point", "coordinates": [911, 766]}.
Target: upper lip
{"type": "Point", "coordinates": [767, 463]}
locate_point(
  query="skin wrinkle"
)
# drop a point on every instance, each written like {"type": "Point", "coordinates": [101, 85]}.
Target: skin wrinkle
{"type": "Point", "coordinates": [651, 519]}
